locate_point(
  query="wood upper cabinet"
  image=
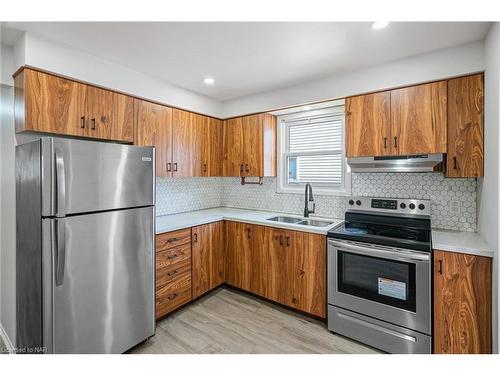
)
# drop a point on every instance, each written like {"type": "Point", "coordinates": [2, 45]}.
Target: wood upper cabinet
{"type": "Point", "coordinates": [368, 121]}
{"type": "Point", "coordinates": [465, 127]}
{"type": "Point", "coordinates": [250, 146]}
{"type": "Point", "coordinates": [406, 121]}
{"type": "Point", "coordinates": [212, 148]}
{"type": "Point", "coordinates": [187, 146]}
{"type": "Point", "coordinates": [462, 303]}
{"type": "Point", "coordinates": [208, 257]}
{"type": "Point", "coordinates": [418, 119]}
{"type": "Point", "coordinates": [154, 128]}
{"type": "Point", "coordinates": [51, 104]}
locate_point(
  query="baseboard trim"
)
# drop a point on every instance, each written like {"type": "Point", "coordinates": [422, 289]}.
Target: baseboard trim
{"type": "Point", "coordinates": [6, 340]}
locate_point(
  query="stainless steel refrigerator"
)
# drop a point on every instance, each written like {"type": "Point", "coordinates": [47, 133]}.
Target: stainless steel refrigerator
{"type": "Point", "coordinates": [85, 246]}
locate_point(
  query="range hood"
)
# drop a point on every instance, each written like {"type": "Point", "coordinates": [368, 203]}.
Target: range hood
{"type": "Point", "coordinates": [410, 163]}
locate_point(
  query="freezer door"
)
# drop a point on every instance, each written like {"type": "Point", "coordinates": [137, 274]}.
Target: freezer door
{"type": "Point", "coordinates": [103, 281]}
{"type": "Point", "coordinates": [81, 176]}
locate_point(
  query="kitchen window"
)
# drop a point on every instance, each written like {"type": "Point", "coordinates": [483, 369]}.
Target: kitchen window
{"type": "Point", "coordinates": [311, 149]}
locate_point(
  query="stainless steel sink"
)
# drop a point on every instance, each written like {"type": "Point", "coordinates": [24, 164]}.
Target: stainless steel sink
{"type": "Point", "coordinates": [294, 220]}
{"type": "Point", "coordinates": [315, 223]}
{"type": "Point", "coordinates": [285, 219]}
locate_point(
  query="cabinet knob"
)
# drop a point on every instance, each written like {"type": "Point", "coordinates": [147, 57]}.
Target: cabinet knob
{"type": "Point", "coordinates": [455, 165]}
{"type": "Point", "coordinates": [93, 124]}
{"type": "Point", "coordinates": [82, 123]}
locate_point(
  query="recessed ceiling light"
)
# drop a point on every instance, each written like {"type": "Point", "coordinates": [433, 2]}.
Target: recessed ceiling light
{"type": "Point", "coordinates": [209, 81]}
{"type": "Point", "coordinates": [379, 25]}
{"type": "Point", "coordinates": [306, 108]}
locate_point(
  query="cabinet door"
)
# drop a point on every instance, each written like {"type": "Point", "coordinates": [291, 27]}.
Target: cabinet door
{"type": "Point", "coordinates": [368, 120]}
{"type": "Point", "coordinates": [154, 128]}
{"type": "Point", "coordinates": [212, 160]}
{"type": "Point", "coordinates": [418, 119]}
{"type": "Point", "coordinates": [187, 134]}
{"type": "Point", "coordinates": [100, 111]}
{"type": "Point", "coordinates": [233, 147]}
{"type": "Point", "coordinates": [122, 129]}
{"type": "Point", "coordinates": [278, 263]}
{"type": "Point", "coordinates": [50, 104]}
{"type": "Point", "coordinates": [465, 127]}
{"type": "Point", "coordinates": [308, 273]}
{"type": "Point", "coordinates": [253, 152]}
{"type": "Point", "coordinates": [239, 246]}
{"type": "Point", "coordinates": [208, 257]}
{"type": "Point", "coordinates": [462, 303]}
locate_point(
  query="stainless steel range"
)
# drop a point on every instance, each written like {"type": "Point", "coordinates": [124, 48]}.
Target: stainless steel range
{"type": "Point", "coordinates": [379, 274]}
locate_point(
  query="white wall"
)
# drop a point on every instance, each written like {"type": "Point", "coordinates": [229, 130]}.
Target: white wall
{"type": "Point", "coordinates": [6, 65]}
{"type": "Point", "coordinates": [421, 68]}
{"type": "Point", "coordinates": [488, 203]}
{"type": "Point", "coordinates": [35, 51]}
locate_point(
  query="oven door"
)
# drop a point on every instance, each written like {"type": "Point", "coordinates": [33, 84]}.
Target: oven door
{"type": "Point", "coordinates": [382, 282]}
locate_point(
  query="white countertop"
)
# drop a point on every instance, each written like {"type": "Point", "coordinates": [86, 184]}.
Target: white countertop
{"type": "Point", "coordinates": [169, 223]}
{"type": "Point", "coordinates": [460, 242]}
{"type": "Point", "coordinates": [446, 240]}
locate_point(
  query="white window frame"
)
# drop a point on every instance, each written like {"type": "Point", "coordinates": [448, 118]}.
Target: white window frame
{"type": "Point", "coordinates": [282, 186]}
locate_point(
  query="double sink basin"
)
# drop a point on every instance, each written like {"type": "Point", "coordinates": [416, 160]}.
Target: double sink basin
{"type": "Point", "coordinates": [299, 221]}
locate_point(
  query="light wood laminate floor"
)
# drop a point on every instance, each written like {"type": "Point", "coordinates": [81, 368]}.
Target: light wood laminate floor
{"type": "Point", "coordinates": [228, 321]}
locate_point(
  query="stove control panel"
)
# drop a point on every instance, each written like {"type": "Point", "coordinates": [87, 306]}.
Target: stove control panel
{"type": "Point", "coordinates": [419, 207]}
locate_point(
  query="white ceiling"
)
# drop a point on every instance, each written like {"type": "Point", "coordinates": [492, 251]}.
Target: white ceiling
{"type": "Point", "coordinates": [249, 58]}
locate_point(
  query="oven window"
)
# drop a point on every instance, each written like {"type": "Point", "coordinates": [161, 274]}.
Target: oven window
{"type": "Point", "coordinates": [386, 281]}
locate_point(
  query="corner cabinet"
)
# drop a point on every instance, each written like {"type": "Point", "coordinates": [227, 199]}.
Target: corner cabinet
{"type": "Point", "coordinates": [465, 127]}
{"type": "Point", "coordinates": [462, 303]}
{"type": "Point", "coordinates": [250, 146]}
{"type": "Point", "coordinates": [50, 104]}
{"type": "Point", "coordinates": [208, 257]}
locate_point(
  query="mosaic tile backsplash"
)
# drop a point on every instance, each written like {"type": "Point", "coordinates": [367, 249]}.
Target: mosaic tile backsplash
{"type": "Point", "coordinates": [453, 200]}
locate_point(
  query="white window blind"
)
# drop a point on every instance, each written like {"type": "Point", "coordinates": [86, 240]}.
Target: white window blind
{"type": "Point", "coordinates": [314, 150]}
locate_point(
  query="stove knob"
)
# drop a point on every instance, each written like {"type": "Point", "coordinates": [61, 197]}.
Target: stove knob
{"type": "Point", "coordinates": [358, 202]}
{"type": "Point", "coordinates": [421, 206]}
{"type": "Point", "coordinates": [412, 206]}
{"type": "Point", "coordinates": [402, 205]}
{"type": "Point", "coordinates": [351, 202]}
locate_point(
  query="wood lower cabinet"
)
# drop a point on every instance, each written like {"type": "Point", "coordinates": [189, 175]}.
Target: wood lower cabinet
{"type": "Point", "coordinates": [465, 127]}
{"type": "Point", "coordinates": [250, 146]}
{"type": "Point", "coordinates": [462, 303]}
{"type": "Point", "coordinates": [207, 257]}
{"type": "Point", "coordinates": [173, 271]}
{"type": "Point", "coordinates": [368, 120]}
{"type": "Point", "coordinates": [281, 265]}
{"type": "Point", "coordinates": [240, 255]}
{"type": "Point", "coordinates": [51, 104]}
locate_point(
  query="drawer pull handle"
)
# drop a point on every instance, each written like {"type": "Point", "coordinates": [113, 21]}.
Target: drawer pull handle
{"type": "Point", "coordinates": [281, 240]}
{"type": "Point", "coordinates": [195, 238]}
{"type": "Point", "coordinates": [455, 166]}
{"type": "Point", "coordinates": [172, 256]}
{"type": "Point", "coordinates": [287, 241]}
{"type": "Point", "coordinates": [93, 124]}
{"type": "Point", "coordinates": [172, 296]}
{"type": "Point", "coordinates": [82, 122]}
{"type": "Point", "coordinates": [170, 240]}
{"type": "Point", "coordinates": [172, 273]}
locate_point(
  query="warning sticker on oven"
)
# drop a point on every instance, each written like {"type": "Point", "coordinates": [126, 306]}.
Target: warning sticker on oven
{"type": "Point", "coordinates": [391, 288]}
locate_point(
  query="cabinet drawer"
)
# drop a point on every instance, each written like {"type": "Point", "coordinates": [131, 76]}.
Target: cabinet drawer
{"type": "Point", "coordinates": [173, 294]}
{"type": "Point", "coordinates": [170, 257]}
{"type": "Point", "coordinates": [165, 275]}
{"type": "Point", "coordinates": [172, 239]}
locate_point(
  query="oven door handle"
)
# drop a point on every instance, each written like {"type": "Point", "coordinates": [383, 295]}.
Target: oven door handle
{"type": "Point", "coordinates": [381, 253]}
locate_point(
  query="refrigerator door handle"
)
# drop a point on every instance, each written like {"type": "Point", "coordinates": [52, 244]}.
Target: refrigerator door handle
{"type": "Point", "coordinates": [60, 184]}
{"type": "Point", "coordinates": [59, 236]}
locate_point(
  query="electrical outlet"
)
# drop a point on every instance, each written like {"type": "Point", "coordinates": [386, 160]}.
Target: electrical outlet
{"type": "Point", "coordinates": [455, 207]}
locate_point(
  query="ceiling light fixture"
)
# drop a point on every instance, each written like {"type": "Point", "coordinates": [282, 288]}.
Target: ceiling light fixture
{"type": "Point", "coordinates": [379, 25]}
{"type": "Point", "coordinates": [306, 108]}
{"type": "Point", "coordinates": [209, 81]}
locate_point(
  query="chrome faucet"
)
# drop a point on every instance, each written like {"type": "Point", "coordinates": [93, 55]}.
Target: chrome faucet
{"type": "Point", "coordinates": [308, 198]}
